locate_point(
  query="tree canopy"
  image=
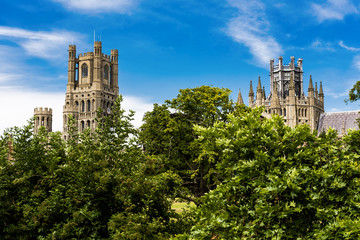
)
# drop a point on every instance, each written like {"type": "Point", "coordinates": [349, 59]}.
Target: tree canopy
{"type": "Point", "coordinates": [354, 93]}
{"type": "Point", "coordinates": [168, 131]}
{"type": "Point", "coordinates": [251, 178]}
{"type": "Point", "coordinates": [279, 183]}
{"type": "Point", "coordinates": [94, 186]}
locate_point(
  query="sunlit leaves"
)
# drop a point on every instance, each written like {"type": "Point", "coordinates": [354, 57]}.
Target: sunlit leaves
{"type": "Point", "coordinates": [279, 183]}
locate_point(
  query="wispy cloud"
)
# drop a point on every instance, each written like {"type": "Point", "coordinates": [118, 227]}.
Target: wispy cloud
{"type": "Point", "coordinates": [333, 10]}
{"type": "Point", "coordinates": [356, 59]}
{"type": "Point", "coordinates": [343, 109]}
{"type": "Point", "coordinates": [103, 6]}
{"type": "Point", "coordinates": [251, 28]}
{"type": "Point", "coordinates": [46, 45]}
{"type": "Point", "coordinates": [356, 62]}
{"type": "Point", "coordinates": [16, 71]}
{"type": "Point", "coordinates": [331, 93]}
{"type": "Point", "coordinates": [353, 49]}
{"type": "Point", "coordinates": [320, 45]}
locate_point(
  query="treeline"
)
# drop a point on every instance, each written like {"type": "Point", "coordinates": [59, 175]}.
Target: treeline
{"type": "Point", "coordinates": [249, 177]}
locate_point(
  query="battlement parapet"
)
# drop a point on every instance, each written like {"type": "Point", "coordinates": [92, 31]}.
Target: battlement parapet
{"type": "Point", "coordinates": [72, 47]}
{"type": "Point", "coordinates": [88, 54]}
{"type": "Point", "coordinates": [290, 66]}
{"type": "Point", "coordinates": [106, 56]}
{"type": "Point", "coordinates": [42, 111]}
{"type": "Point", "coordinates": [97, 43]}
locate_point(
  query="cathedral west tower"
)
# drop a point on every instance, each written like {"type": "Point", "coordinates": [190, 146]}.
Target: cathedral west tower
{"type": "Point", "coordinates": [92, 84]}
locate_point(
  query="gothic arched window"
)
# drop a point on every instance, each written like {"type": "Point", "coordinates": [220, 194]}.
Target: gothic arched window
{"type": "Point", "coordinates": [82, 106]}
{"type": "Point", "coordinates": [84, 70]}
{"type": "Point", "coordinates": [106, 72]}
{"type": "Point", "coordinates": [88, 106]}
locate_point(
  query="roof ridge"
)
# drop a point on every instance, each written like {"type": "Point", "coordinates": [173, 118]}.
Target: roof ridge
{"type": "Point", "coordinates": [353, 111]}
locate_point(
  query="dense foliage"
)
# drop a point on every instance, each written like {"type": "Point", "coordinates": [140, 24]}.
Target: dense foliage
{"type": "Point", "coordinates": [168, 131]}
{"type": "Point", "coordinates": [249, 177]}
{"type": "Point", "coordinates": [280, 183]}
{"type": "Point", "coordinates": [94, 186]}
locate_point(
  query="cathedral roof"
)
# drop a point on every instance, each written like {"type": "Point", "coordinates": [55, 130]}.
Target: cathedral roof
{"type": "Point", "coordinates": [341, 121]}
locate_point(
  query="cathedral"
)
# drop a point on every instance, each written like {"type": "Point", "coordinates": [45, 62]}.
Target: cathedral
{"type": "Point", "coordinates": [93, 84]}
{"type": "Point", "coordinates": [286, 97]}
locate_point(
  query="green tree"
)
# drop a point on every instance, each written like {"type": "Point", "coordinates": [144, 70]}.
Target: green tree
{"type": "Point", "coordinates": [279, 183]}
{"type": "Point", "coordinates": [94, 186]}
{"type": "Point", "coordinates": [354, 93]}
{"type": "Point", "coordinates": [168, 132]}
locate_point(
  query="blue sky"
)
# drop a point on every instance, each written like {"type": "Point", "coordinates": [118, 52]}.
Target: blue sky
{"type": "Point", "coordinates": [167, 45]}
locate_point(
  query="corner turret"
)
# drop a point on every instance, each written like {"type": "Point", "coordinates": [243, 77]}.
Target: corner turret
{"type": "Point", "coordinates": [42, 117]}
{"type": "Point", "coordinates": [114, 70]}
{"type": "Point", "coordinates": [71, 69]}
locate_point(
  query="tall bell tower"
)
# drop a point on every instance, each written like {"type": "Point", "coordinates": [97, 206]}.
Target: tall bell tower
{"type": "Point", "coordinates": [92, 84]}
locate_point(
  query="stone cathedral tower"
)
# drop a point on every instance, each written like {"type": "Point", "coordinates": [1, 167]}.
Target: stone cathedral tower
{"type": "Point", "coordinates": [92, 84]}
{"type": "Point", "coordinates": [287, 96]}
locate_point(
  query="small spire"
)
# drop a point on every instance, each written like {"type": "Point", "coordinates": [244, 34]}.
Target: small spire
{"type": "Point", "coordinates": [251, 92]}
{"type": "Point", "coordinates": [316, 91]}
{"type": "Point", "coordinates": [311, 88]}
{"type": "Point", "coordinates": [259, 86]}
{"type": "Point", "coordinates": [239, 99]}
{"type": "Point", "coordinates": [264, 95]}
{"type": "Point", "coordinates": [321, 93]}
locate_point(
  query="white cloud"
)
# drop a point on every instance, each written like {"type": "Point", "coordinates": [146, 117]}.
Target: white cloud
{"type": "Point", "coordinates": [50, 45]}
{"type": "Point", "coordinates": [322, 46]}
{"type": "Point", "coordinates": [333, 10]}
{"type": "Point", "coordinates": [343, 109]}
{"type": "Point", "coordinates": [139, 105]}
{"type": "Point", "coordinates": [251, 28]}
{"type": "Point", "coordinates": [353, 49]}
{"type": "Point", "coordinates": [356, 62]}
{"type": "Point", "coordinates": [103, 6]}
{"type": "Point", "coordinates": [329, 93]}
{"type": "Point", "coordinates": [356, 59]}
{"type": "Point", "coordinates": [18, 106]}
